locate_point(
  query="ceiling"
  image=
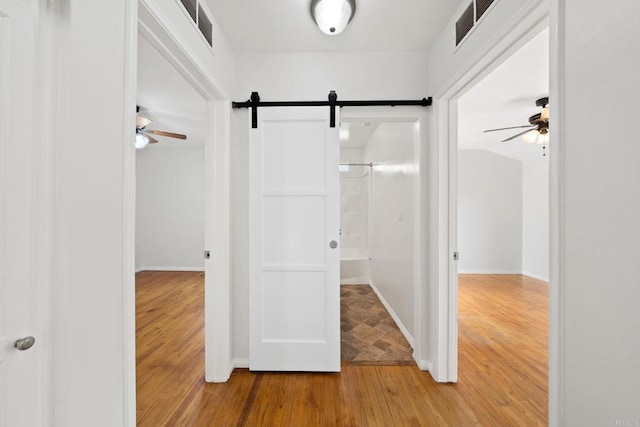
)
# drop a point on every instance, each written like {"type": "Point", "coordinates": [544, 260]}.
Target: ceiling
{"type": "Point", "coordinates": [506, 97]}
{"type": "Point", "coordinates": [165, 97]}
{"type": "Point", "coordinates": [287, 26]}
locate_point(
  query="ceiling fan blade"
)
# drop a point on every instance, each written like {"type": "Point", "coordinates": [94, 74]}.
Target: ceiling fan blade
{"type": "Point", "coordinates": [515, 136]}
{"type": "Point", "coordinates": [142, 121]}
{"type": "Point", "coordinates": [169, 134]}
{"type": "Point", "coordinates": [151, 139]}
{"type": "Point", "coordinates": [513, 127]}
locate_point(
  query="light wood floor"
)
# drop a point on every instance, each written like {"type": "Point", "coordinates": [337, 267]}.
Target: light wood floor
{"type": "Point", "coordinates": [502, 381]}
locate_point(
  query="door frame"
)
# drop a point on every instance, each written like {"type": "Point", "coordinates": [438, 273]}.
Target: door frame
{"type": "Point", "coordinates": [528, 23]}
{"type": "Point", "coordinates": [154, 25]}
{"type": "Point", "coordinates": [421, 219]}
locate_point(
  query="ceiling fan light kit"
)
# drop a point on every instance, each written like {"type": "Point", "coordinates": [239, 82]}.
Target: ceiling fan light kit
{"type": "Point", "coordinates": [142, 121]}
{"type": "Point", "coordinates": [141, 141]}
{"type": "Point", "coordinates": [537, 129]}
{"type": "Point", "coordinates": [536, 137]}
{"type": "Point", "coordinates": [332, 16]}
{"type": "Point", "coordinates": [530, 136]}
{"type": "Point", "coordinates": [143, 135]}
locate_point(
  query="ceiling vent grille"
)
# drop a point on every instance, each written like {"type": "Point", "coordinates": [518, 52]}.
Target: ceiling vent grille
{"type": "Point", "coordinates": [199, 16]}
{"type": "Point", "coordinates": [481, 7]}
{"type": "Point", "coordinates": [205, 26]}
{"type": "Point", "coordinates": [470, 17]}
{"type": "Point", "coordinates": [192, 8]}
{"type": "Point", "coordinates": [464, 24]}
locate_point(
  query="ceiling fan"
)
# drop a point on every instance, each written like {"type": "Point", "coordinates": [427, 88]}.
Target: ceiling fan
{"type": "Point", "coordinates": [143, 135]}
{"type": "Point", "coordinates": [538, 128]}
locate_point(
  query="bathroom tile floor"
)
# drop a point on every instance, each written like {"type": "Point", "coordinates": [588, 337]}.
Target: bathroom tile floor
{"type": "Point", "coordinates": [369, 336]}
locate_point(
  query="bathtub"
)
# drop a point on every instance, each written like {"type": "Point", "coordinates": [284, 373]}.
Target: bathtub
{"type": "Point", "coordinates": [354, 267]}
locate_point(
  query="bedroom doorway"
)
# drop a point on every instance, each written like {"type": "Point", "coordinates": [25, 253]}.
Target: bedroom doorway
{"type": "Point", "coordinates": [499, 192]}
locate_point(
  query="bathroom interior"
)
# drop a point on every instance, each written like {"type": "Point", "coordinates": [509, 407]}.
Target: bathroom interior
{"type": "Point", "coordinates": [378, 212]}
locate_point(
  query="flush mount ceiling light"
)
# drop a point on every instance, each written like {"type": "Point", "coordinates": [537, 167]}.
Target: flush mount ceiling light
{"type": "Point", "coordinates": [332, 16]}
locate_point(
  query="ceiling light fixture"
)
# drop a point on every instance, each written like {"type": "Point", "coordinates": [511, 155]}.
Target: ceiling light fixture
{"type": "Point", "coordinates": [540, 134]}
{"type": "Point", "coordinates": [332, 16]}
{"type": "Point", "coordinates": [538, 127]}
{"type": "Point", "coordinates": [141, 121]}
{"type": "Point", "coordinates": [141, 141]}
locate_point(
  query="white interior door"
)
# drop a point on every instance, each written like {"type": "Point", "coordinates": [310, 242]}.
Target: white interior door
{"type": "Point", "coordinates": [20, 371]}
{"type": "Point", "coordinates": [294, 230]}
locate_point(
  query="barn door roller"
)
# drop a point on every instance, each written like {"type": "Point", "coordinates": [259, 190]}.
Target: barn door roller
{"type": "Point", "coordinates": [254, 102]}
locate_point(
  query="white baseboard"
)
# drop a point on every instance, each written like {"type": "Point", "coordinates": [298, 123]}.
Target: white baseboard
{"type": "Point", "coordinates": [240, 363]}
{"type": "Point", "coordinates": [520, 272]}
{"type": "Point", "coordinates": [536, 276]}
{"type": "Point", "coordinates": [425, 365]}
{"type": "Point", "coordinates": [354, 282]}
{"type": "Point", "coordinates": [490, 272]}
{"type": "Point", "coordinates": [165, 268]}
{"type": "Point", "coordinates": [393, 314]}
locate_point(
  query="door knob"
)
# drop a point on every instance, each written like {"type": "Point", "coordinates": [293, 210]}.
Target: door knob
{"type": "Point", "coordinates": [333, 244]}
{"type": "Point", "coordinates": [24, 343]}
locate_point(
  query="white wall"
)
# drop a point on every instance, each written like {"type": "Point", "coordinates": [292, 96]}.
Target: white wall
{"type": "Point", "coordinates": [354, 201]}
{"type": "Point", "coordinates": [599, 233]}
{"type": "Point", "coordinates": [170, 208]}
{"type": "Point", "coordinates": [490, 213]}
{"type": "Point", "coordinates": [240, 236]}
{"type": "Point", "coordinates": [535, 217]}
{"type": "Point", "coordinates": [303, 76]}
{"type": "Point", "coordinates": [392, 150]}
{"type": "Point", "coordinates": [94, 96]}
{"type": "Point", "coordinates": [310, 76]}
{"type": "Point", "coordinates": [351, 155]}
{"type": "Point", "coordinates": [503, 228]}
{"type": "Point", "coordinates": [93, 119]}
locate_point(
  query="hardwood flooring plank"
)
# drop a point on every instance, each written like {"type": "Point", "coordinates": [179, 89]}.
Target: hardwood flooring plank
{"type": "Point", "coordinates": [502, 360]}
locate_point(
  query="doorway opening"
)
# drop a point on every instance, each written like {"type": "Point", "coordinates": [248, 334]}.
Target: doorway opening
{"type": "Point", "coordinates": [170, 232]}
{"type": "Point", "coordinates": [502, 218]}
{"type": "Point", "coordinates": [378, 232]}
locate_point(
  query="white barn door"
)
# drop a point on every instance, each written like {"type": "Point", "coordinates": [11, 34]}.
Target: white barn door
{"type": "Point", "coordinates": [294, 227]}
{"type": "Point", "coordinates": [21, 359]}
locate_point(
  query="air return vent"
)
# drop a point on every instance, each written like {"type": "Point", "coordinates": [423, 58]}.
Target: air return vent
{"type": "Point", "coordinates": [199, 16]}
{"type": "Point", "coordinates": [481, 7]}
{"type": "Point", "coordinates": [470, 17]}
{"type": "Point", "coordinates": [192, 7]}
{"type": "Point", "coordinates": [205, 26]}
{"type": "Point", "coordinates": [464, 24]}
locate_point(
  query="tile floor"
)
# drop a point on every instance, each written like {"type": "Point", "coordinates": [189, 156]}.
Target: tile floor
{"type": "Point", "coordinates": [369, 334]}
